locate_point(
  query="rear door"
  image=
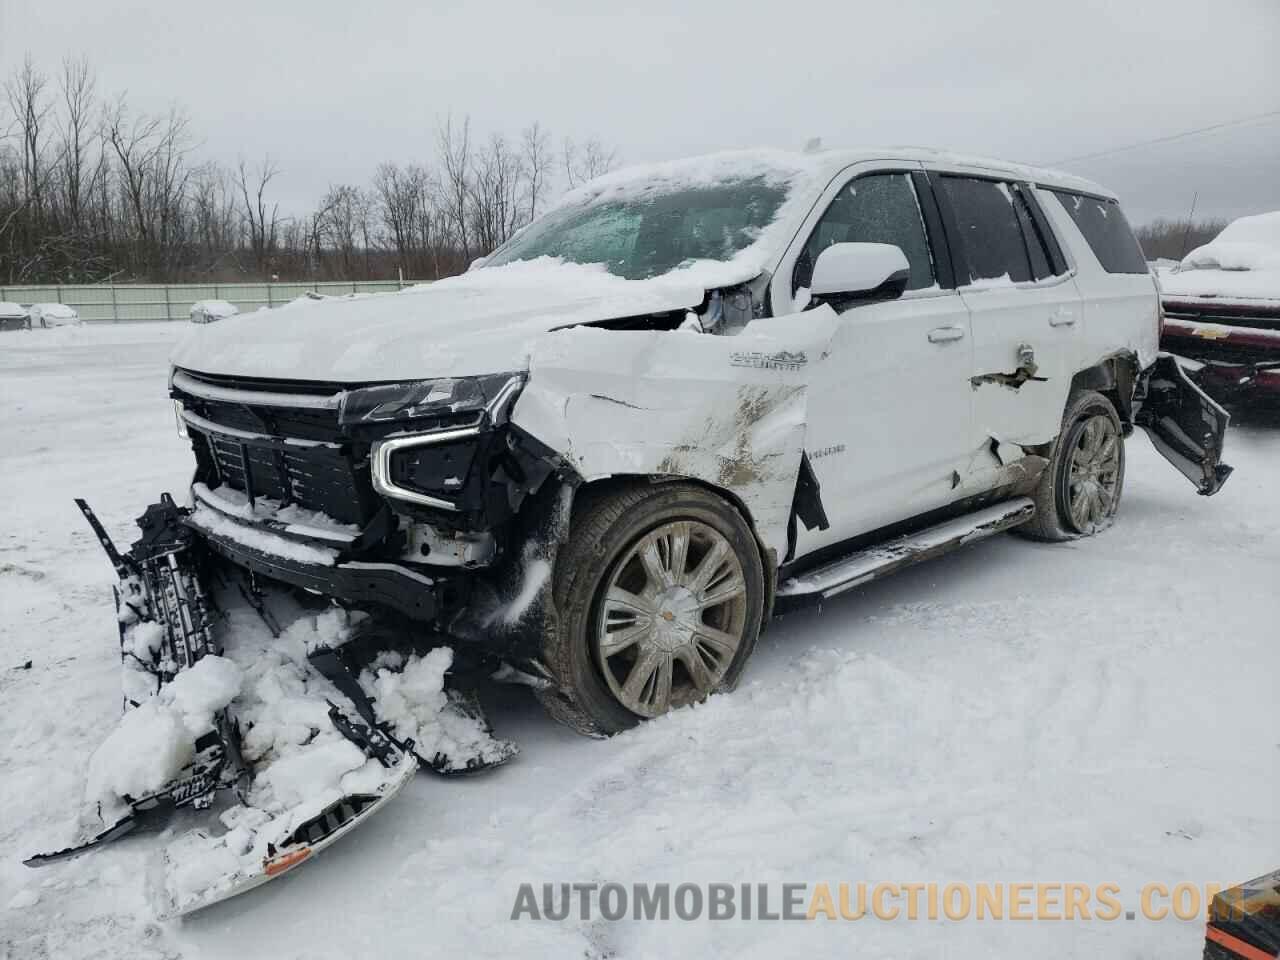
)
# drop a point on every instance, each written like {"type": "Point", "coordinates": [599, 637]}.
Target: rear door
{"type": "Point", "coordinates": [1025, 308]}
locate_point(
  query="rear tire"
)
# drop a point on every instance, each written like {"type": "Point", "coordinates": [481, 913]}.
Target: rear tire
{"type": "Point", "coordinates": [1080, 489]}
{"type": "Point", "coordinates": [659, 595]}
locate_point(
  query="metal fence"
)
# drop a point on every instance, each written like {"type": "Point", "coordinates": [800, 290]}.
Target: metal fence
{"type": "Point", "coordinates": [147, 301]}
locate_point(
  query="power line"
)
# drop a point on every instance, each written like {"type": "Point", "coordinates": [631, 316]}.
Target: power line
{"type": "Point", "coordinates": [1167, 139]}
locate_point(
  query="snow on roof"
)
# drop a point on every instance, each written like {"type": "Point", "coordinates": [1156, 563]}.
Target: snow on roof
{"type": "Point", "coordinates": [821, 165]}
{"type": "Point", "coordinates": [1250, 243]}
{"type": "Point", "coordinates": [8, 309]}
{"type": "Point", "coordinates": [217, 308]}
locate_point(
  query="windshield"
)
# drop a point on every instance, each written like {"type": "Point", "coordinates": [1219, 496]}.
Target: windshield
{"type": "Point", "coordinates": [652, 232]}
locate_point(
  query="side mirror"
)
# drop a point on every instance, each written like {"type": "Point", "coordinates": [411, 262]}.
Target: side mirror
{"type": "Point", "coordinates": [846, 270]}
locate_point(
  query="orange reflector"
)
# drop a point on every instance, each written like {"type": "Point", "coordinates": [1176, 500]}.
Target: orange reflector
{"type": "Point", "coordinates": [285, 861]}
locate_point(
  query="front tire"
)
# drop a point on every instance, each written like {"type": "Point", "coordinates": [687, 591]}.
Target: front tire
{"type": "Point", "coordinates": [660, 597]}
{"type": "Point", "coordinates": [1080, 489]}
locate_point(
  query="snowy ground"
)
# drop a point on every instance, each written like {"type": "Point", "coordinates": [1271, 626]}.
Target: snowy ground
{"type": "Point", "coordinates": [1098, 711]}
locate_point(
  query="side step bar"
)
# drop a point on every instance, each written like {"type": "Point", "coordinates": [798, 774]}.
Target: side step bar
{"type": "Point", "coordinates": [874, 562]}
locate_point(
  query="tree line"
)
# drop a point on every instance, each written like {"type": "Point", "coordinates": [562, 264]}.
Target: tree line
{"type": "Point", "coordinates": [1174, 239]}
{"type": "Point", "coordinates": [93, 190]}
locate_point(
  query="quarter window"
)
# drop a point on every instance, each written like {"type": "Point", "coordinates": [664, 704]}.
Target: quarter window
{"type": "Point", "coordinates": [879, 208]}
{"type": "Point", "coordinates": [1107, 232]}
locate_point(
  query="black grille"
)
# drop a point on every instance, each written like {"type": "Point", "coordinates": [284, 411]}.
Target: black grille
{"type": "Point", "coordinates": [292, 455]}
{"type": "Point", "coordinates": [317, 478]}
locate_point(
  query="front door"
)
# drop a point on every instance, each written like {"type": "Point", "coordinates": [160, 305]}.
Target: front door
{"type": "Point", "coordinates": [888, 413]}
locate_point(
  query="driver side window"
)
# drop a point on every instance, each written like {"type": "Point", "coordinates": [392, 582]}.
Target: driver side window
{"type": "Point", "coordinates": [879, 208]}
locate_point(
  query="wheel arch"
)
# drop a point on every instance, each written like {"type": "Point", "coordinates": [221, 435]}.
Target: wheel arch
{"type": "Point", "coordinates": [1114, 377]}
{"type": "Point", "coordinates": [591, 490]}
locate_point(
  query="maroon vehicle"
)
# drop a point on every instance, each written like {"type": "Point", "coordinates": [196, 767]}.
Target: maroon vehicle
{"type": "Point", "coordinates": [1222, 310]}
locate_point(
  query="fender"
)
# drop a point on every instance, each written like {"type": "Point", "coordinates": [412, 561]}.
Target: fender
{"type": "Point", "coordinates": [729, 411]}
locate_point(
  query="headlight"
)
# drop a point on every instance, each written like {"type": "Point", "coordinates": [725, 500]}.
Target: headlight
{"type": "Point", "coordinates": [180, 420]}
{"type": "Point", "coordinates": [420, 399]}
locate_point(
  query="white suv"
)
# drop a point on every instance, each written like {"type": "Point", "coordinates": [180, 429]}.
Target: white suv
{"type": "Point", "coordinates": [688, 394]}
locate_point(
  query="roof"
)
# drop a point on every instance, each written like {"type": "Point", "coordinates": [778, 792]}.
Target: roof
{"type": "Point", "coordinates": [822, 165]}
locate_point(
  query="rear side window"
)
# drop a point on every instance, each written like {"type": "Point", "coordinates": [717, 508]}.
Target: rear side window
{"type": "Point", "coordinates": [878, 208]}
{"type": "Point", "coordinates": [1106, 230]}
{"type": "Point", "coordinates": [991, 236]}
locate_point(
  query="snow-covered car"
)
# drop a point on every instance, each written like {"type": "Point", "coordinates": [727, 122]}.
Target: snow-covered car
{"type": "Point", "coordinates": [689, 395]}
{"type": "Point", "coordinates": [53, 315]}
{"type": "Point", "coordinates": [13, 316]}
{"type": "Point", "coordinates": [209, 311]}
{"type": "Point", "coordinates": [1222, 309]}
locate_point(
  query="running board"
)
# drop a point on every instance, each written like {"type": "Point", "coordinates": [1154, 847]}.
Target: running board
{"type": "Point", "coordinates": [874, 562]}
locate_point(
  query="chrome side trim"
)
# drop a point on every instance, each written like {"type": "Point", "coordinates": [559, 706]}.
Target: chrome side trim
{"type": "Point", "coordinates": [197, 422]}
{"type": "Point", "coordinates": [500, 405]}
{"type": "Point", "coordinates": [380, 466]}
{"type": "Point", "coordinates": [263, 398]}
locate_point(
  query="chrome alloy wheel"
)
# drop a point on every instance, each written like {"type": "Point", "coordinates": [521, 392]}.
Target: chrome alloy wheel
{"type": "Point", "coordinates": [671, 618]}
{"type": "Point", "coordinates": [1093, 477]}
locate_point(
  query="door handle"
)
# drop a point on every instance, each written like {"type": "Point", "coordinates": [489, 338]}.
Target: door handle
{"type": "Point", "coordinates": [944, 334]}
{"type": "Point", "coordinates": [1062, 318]}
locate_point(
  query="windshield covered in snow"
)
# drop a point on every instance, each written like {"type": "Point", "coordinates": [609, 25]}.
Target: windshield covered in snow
{"type": "Point", "coordinates": [650, 232]}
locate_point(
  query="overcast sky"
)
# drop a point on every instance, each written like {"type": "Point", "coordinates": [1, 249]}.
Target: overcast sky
{"type": "Point", "coordinates": [330, 89]}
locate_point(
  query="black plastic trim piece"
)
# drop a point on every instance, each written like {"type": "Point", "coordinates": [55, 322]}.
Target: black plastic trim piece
{"type": "Point", "coordinates": [935, 233]}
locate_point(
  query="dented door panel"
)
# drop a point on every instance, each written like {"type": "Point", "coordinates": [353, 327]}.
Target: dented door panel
{"type": "Point", "coordinates": [730, 411]}
{"type": "Point", "coordinates": [1025, 348]}
{"type": "Point", "coordinates": [1185, 425]}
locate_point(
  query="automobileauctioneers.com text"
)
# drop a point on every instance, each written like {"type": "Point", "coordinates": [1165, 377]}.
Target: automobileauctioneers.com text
{"type": "Point", "coordinates": [925, 900]}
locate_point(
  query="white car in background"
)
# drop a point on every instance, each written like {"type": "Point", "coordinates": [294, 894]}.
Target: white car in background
{"type": "Point", "coordinates": [207, 311]}
{"type": "Point", "coordinates": [13, 316]}
{"type": "Point", "coordinates": [52, 315]}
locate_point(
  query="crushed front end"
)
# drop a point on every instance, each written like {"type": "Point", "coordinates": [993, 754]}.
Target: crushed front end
{"type": "Point", "coordinates": [406, 497]}
{"type": "Point", "coordinates": [288, 639]}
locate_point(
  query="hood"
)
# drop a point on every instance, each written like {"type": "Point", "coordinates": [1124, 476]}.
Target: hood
{"type": "Point", "coordinates": [481, 322]}
{"type": "Point", "coordinates": [1221, 285]}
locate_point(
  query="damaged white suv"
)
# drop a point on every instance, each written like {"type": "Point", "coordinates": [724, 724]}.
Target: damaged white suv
{"type": "Point", "coordinates": [686, 396]}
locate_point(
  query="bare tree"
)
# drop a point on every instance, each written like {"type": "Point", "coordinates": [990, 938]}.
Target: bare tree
{"type": "Point", "coordinates": [79, 94]}
{"type": "Point", "coordinates": [30, 106]}
{"type": "Point", "coordinates": [495, 192]}
{"type": "Point", "coordinates": [537, 164]}
{"type": "Point", "coordinates": [455, 166]}
{"type": "Point", "coordinates": [587, 163]}
{"type": "Point", "coordinates": [262, 224]}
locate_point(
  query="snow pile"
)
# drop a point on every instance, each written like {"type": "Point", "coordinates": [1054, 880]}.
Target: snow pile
{"type": "Point", "coordinates": [413, 700]}
{"type": "Point", "coordinates": [154, 741]}
{"type": "Point", "coordinates": [1250, 243]}
{"type": "Point", "coordinates": [1241, 263]}
{"type": "Point", "coordinates": [301, 763]}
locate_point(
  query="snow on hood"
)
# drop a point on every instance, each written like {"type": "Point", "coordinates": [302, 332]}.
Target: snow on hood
{"type": "Point", "coordinates": [477, 323]}
{"type": "Point", "coordinates": [484, 321]}
{"type": "Point", "coordinates": [1240, 263]}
